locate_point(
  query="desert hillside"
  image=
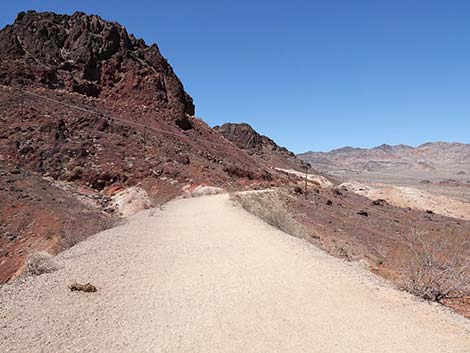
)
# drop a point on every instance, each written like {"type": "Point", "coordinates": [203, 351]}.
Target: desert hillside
{"type": "Point", "coordinates": [260, 146]}
{"type": "Point", "coordinates": [128, 224]}
{"type": "Point", "coordinates": [101, 117]}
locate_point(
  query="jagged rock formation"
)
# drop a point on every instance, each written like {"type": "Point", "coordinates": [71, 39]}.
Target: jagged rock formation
{"type": "Point", "coordinates": [88, 83]}
{"type": "Point", "coordinates": [260, 146]}
{"type": "Point", "coordinates": [90, 56]}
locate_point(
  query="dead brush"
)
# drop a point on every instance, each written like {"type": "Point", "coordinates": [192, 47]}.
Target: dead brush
{"type": "Point", "coordinates": [41, 262]}
{"type": "Point", "coordinates": [87, 287]}
{"type": "Point", "coordinates": [268, 206]}
{"type": "Point", "coordinates": [436, 268]}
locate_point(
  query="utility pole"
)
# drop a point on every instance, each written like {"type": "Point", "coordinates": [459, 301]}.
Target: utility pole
{"type": "Point", "coordinates": [22, 105]}
{"type": "Point", "coordinates": [145, 142]}
{"type": "Point", "coordinates": [306, 181]}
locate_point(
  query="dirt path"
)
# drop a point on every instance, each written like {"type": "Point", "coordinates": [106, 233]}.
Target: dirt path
{"type": "Point", "coordinates": [204, 276]}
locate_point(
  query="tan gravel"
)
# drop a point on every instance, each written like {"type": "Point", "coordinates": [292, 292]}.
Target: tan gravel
{"type": "Point", "coordinates": [205, 276]}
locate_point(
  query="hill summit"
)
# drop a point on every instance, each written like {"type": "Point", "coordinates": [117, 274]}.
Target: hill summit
{"type": "Point", "coordinates": [88, 55]}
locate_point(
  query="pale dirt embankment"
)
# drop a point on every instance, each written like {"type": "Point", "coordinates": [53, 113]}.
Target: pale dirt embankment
{"type": "Point", "coordinates": [205, 276]}
{"type": "Point", "coordinates": [401, 196]}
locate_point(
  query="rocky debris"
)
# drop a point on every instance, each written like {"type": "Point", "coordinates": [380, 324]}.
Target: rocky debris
{"type": "Point", "coordinates": [131, 200]}
{"type": "Point", "coordinates": [298, 190]}
{"type": "Point", "coordinates": [184, 160]}
{"type": "Point", "coordinates": [379, 202]}
{"type": "Point", "coordinates": [363, 213]}
{"type": "Point", "coordinates": [237, 172]}
{"type": "Point", "coordinates": [184, 123]}
{"type": "Point", "coordinates": [337, 192]}
{"type": "Point", "coordinates": [453, 183]}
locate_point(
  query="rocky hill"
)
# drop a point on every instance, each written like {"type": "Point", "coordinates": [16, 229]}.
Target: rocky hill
{"type": "Point", "coordinates": [438, 158]}
{"type": "Point", "coordinates": [92, 57]}
{"type": "Point", "coordinates": [260, 146]}
{"type": "Point", "coordinates": [88, 111]}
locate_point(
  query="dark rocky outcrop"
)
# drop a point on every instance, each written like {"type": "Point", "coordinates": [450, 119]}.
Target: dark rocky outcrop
{"type": "Point", "coordinates": [90, 56]}
{"type": "Point", "coordinates": [246, 138]}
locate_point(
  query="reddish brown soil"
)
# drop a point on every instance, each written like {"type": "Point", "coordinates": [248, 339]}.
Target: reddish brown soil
{"type": "Point", "coordinates": [35, 215]}
{"type": "Point", "coordinates": [125, 146]}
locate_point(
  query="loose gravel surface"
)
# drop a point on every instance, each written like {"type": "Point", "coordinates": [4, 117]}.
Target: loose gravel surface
{"type": "Point", "coordinates": [202, 275]}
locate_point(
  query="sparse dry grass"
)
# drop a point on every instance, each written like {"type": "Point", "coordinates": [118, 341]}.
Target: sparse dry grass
{"type": "Point", "coordinates": [70, 236]}
{"type": "Point", "coordinates": [203, 191]}
{"type": "Point", "coordinates": [73, 233]}
{"type": "Point", "coordinates": [435, 267]}
{"type": "Point", "coordinates": [268, 207]}
{"type": "Point", "coordinates": [40, 262]}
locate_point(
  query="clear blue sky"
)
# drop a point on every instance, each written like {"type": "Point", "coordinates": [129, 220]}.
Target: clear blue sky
{"type": "Point", "coordinates": [313, 75]}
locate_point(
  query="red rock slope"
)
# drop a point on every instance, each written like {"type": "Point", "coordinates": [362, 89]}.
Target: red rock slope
{"type": "Point", "coordinates": [96, 110]}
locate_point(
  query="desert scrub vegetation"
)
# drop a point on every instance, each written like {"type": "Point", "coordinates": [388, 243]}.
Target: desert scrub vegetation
{"type": "Point", "coordinates": [73, 232]}
{"type": "Point", "coordinates": [40, 262]}
{"type": "Point", "coordinates": [268, 206]}
{"type": "Point", "coordinates": [203, 191]}
{"type": "Point", "coordinates": [436, 268]}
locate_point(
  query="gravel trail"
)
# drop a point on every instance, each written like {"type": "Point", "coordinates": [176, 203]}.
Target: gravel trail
{"type": "Point", "coordinates": [204, 276]}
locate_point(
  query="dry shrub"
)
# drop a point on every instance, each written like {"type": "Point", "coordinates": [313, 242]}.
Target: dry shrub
{"type": "Point", "coordinates": [78, 287]}
{"type": "Point", "coordinates": [204, 191]}
{"type": "Point", "coordinates": [40, 262]}
{"type": "Point", "coordinates": [238, 172]}
{"type": "Point", "coordinates": [70, 236]}
{"type": "Point", "coordinates": [73, 232]}
{"type": "Point", "coordinates": [269, 207]}
{"type": "Point", "coordinates": [436, 268]}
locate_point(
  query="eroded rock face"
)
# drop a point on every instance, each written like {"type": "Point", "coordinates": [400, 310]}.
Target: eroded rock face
{"type": "Point", "coordinates": [248, 139]}
{"type": "Point", "coordinates": [90, 56]}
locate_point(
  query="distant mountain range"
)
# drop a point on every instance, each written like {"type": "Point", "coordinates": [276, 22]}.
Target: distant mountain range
{"type": "Point", "coordinates": [433, 157]}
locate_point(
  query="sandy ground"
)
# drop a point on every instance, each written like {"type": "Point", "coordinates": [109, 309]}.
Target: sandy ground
{"type": "Point", "coordinates": [205, 276]}
{"type": "Point", "coordinates": [318, 179]}
{"type": "Point", "coordinates": [459, 191]}
{"type": "Point", "coordinates": [402, 196]}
